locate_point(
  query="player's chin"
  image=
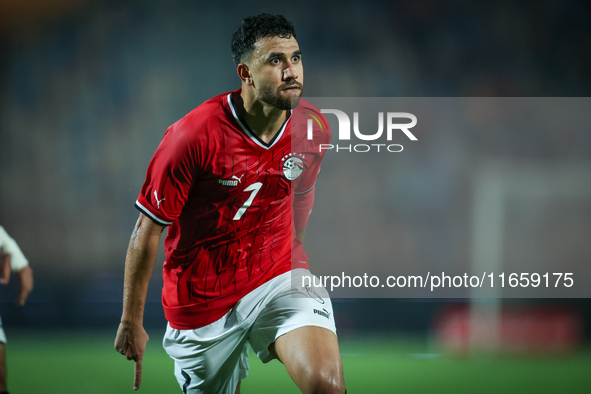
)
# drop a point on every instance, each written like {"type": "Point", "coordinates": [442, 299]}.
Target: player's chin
{"type": "Point", "coordinates": [292, 96]}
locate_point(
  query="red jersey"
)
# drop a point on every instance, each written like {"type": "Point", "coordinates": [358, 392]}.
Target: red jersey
{"type": "Point", "coordinates": [226, 196]}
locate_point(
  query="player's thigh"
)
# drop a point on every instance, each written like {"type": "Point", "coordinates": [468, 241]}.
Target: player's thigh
{"type": "Point", "coordinates": [298, 327]}
{"type": "Point", "coordinates": [312, 358]}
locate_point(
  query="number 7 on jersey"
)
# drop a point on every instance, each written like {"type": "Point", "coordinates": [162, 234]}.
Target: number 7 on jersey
{"type": "Point", "coordinates": [254, 188]}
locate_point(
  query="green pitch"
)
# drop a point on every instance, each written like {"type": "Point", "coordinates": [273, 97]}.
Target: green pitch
{"type": "Point", "coordinates": [85, 362]}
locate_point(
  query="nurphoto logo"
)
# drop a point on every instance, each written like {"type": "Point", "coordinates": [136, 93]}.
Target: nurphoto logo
{"type": "Point", "coordinates": [344, 132]}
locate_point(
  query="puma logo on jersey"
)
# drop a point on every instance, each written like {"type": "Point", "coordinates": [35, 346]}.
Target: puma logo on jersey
{"type": "Point", "coordinates": [234, 181]}
{"type": "Point", "coordinates": [157, 200]}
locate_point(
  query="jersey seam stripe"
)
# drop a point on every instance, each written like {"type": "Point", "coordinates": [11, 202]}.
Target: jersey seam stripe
{"type": "Point", "coordinates": [305, 192]}
{"type": "Point", "coordinates": [274, 237]}
{"type": "Point", "coordinates": [211, 230]}
{"type": "Point", "coordinates": [154, 218]}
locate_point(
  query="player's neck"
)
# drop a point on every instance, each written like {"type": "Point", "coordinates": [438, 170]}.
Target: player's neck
{"type": "Point", "coordinates": [263, 119]}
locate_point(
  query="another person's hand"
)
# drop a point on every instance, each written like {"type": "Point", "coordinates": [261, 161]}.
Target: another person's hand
{"type": "Point", "coordinates": [26, 278]}
{"type": "Point", "coordinates": [131, 342]}
{"type": "Point", "coordinates": [6, 271]}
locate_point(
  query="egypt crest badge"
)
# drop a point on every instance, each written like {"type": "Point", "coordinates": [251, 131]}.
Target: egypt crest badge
{"type": "Point", "coordinates": [293, 166]}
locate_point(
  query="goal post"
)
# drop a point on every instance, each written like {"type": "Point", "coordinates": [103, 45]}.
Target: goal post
{"type": "Point", "coordinates": [547, 186]}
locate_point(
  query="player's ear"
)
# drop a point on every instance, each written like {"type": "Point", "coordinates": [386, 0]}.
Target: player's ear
{"type": "Point", "coordinates": [244, 73]}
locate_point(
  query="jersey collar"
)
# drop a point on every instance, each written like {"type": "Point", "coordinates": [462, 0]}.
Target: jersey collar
{"type": "Point", "coordinates": [250, 133]}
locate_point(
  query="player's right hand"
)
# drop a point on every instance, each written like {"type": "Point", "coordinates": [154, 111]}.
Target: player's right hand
{"type": "Point", "coordinates": [131, 342]}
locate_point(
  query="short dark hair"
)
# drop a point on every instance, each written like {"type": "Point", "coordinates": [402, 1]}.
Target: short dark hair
{"type": "Point", "coordinates": [255, 27]}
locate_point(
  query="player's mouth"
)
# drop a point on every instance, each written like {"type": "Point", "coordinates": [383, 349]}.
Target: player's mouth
{"type": "Point", "coordinates": [295, 86]}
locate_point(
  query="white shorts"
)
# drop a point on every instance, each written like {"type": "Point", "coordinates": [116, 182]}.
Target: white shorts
{"type": "Point", "coordinates": [214, 358]}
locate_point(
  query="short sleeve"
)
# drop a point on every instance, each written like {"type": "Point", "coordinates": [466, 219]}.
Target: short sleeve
{"type": "Point", "coordinates": [169, 176]}
{"type": "Point", "coordinates": [9, 246]}
{"type": "Point", "coordinates": [309, 178]}
{"type": "Point", "coordinates": [311, 149]}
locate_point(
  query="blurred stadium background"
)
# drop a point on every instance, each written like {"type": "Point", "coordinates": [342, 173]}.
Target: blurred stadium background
{"type": "Point", "coordinates": [87, 89]}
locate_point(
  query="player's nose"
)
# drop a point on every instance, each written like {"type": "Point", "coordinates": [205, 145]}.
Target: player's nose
{"type": "Point", "coordinates": [290, 72]}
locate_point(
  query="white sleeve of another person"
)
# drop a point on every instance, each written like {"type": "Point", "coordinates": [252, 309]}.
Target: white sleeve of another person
{"type": "Point", "coordinates": [9, 246]}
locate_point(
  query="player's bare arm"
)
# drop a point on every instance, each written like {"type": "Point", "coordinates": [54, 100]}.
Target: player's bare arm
{"type": "Point", "coordinates": [139, 263]}
{"type": "Point", "coordinates": [300, 234]}
{"type": "Point", "coordinates": [302, 208]}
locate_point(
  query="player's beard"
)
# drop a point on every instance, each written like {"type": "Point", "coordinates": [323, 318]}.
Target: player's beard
{"type": "Point", "coordinates": [273, 97]}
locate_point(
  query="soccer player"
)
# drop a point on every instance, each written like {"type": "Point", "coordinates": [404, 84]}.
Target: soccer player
{"type": "Point", "coordinates": [14, 260]}
{"type": "Point", "coordinates": [234, 182]}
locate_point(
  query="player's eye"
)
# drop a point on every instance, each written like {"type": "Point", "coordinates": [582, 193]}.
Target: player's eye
{"type": "Point", "coordinates": [275, 60]}
{"type": "Point", "coordinates": [295, 59]}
